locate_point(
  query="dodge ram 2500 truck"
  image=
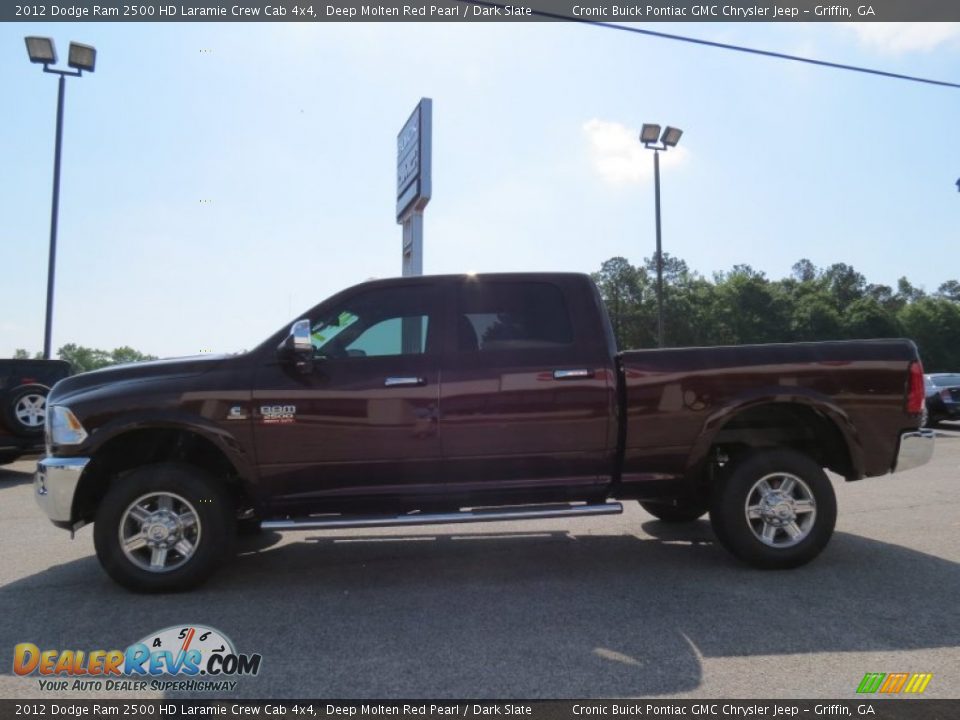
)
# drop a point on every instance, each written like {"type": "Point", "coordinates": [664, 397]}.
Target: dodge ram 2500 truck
{"type": "Point", "coordinates": [455, 399]}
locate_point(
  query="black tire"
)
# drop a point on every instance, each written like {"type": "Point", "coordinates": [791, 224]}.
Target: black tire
{"type": "Point", "coordinates": [17, 413]}
{"type": "Point", "coordinates": [787, 546]}
{"type": "Point", "coordinates": [191, 489]}
{"type": "Point", "coordinates": [684, 511]}
{"type": "Point", "coordinates": [8, 457]}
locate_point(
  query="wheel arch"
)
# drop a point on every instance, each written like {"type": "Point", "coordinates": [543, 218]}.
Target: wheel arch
{"type": "Point", "coordinates": [134, 447]}
{"type": "Point", "coordinates": [807, 422]}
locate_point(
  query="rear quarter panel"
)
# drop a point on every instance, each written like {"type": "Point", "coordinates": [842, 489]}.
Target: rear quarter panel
{"type": "Point", "coordinates": [677, 399]}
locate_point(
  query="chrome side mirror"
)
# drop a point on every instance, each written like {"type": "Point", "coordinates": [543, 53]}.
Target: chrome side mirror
{"type": "Point", "coordinates": [297, 347]}
{"type": "Point", "coordinates": [300, 332]}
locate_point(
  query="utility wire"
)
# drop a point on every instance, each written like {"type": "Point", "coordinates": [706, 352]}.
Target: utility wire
{"type": "Point", "coordinates": [726, 46]}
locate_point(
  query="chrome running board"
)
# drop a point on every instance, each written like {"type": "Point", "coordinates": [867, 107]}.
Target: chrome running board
{"type": "Point", "coordinates": [494, 514]}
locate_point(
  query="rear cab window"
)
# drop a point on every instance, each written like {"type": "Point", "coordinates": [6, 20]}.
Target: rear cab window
{"type": "Point", "coordinates": [511, 316]}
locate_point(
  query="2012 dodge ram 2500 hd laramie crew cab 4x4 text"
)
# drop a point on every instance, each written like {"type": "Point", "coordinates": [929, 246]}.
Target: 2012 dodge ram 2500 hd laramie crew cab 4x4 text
{"type": "Point", "coordinates": [462, 398]}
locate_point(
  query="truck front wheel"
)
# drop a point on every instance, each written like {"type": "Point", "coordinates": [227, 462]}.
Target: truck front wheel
{"type": "Point", "coordinates": [776, 509]}
{"type": "Point", "coordinates": [164, 527]}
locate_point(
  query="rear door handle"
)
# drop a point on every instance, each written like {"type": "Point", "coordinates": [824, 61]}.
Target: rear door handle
{"type": "Point", "coordinates": [577, 374]}
{"type": "Point", "coordinates": [404, 382]}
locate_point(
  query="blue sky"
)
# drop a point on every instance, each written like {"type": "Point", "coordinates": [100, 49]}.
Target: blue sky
{"type": "Point", "coordinates": [288, 132]}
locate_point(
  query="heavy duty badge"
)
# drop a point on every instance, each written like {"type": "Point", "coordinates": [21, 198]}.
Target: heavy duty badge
{"type": "Point", "coordinates": [278, 414]}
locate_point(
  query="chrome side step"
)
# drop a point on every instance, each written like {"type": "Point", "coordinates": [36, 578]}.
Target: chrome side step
{"type": "Point", "coordinates": [520, 512]}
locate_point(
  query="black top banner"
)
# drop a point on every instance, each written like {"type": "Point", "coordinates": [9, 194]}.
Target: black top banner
{"type": "Point", "coordinates": [606, 11]}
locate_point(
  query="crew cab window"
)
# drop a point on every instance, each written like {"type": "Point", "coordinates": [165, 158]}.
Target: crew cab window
{"type": "Point", "coordinates": [376, 323]}
{"type": "Point", "coordinates": [512, 316]}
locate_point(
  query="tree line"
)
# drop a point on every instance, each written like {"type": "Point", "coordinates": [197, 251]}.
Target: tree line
{"type": "Point", "coordinates": [743, 306]}
{"type": "Point", "coordinates": [83, 359]}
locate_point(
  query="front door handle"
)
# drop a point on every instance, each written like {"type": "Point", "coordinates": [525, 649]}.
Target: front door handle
{"type": "Point", "coordinates": [404, 382]}
{"type": "Point", "coordinates": [578, 374]}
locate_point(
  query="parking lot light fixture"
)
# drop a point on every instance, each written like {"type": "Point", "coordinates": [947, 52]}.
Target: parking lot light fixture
{"type": "Point", "coordinates": [671, 136]}
{"type": "Point", "coordinates": [41, 50]}
{"type": "Point", "coordinates": [81, 57]}
{"type": "Point", "coordinates": [649, 134]}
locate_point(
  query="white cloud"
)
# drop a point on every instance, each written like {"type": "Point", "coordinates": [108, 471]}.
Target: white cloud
{"type": "Point", "coordinates": [904, 37]}
{"type": "Point", "coordinates": [618, 157]}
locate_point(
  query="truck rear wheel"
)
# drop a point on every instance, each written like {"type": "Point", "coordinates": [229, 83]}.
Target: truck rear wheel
{"type": "Point", "coordinates": [682, 511]}
{"type": "Point", "coordinates": [164, 527]}
{"type": "Point", "coordinates": [776, 509]}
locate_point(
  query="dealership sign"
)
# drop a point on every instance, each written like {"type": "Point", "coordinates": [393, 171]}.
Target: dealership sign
{"type": "Point", "coordinates": [413, 160]}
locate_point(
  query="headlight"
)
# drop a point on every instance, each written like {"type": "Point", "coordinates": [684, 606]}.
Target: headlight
{"type": "Point", "coordinates": [63, 426]}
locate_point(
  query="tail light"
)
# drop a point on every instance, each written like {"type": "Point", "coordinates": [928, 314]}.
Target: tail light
{"type": "Point", "coordinates": [915, 396]}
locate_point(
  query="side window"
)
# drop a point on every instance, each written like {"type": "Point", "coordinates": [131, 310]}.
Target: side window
{"type": "Point", "coordinates": [512, 316]}
{"type": "Point", "coordinates": [387, 337]}
{"type": "Point", "coordinates": [376, 323]}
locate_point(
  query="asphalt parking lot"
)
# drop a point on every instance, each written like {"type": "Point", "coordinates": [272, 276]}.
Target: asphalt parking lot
{"type": "Point", "coordinates": [593, 607]}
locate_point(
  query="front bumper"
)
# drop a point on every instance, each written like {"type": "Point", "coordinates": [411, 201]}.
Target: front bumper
{"type": "Point", "coordinates": [55, 483]}
{"type": "Point", "coordinates": [916, 449]}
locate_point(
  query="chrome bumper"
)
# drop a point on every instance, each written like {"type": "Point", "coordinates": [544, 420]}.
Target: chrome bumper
{"type": "Point", "coordinates": [916, 449]}
{"type": "Point", "coordinates": [55, 483]}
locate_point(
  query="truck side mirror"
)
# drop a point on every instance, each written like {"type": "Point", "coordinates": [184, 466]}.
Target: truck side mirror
{"type": "Point", "coordinates": [297, 347]}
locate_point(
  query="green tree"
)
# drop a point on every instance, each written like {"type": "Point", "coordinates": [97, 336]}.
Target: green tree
{"type": "Point", "coordinates": [84, 359]}
{"type": "Point", "coordinates": [867, 318]}
{"type": "Point", "coordinates": [934, 324]}
{"type": "Point", "coordinates": [21, 354]}
{"type": "Point", "coordinates": [751, 311]}
{"type": "Point", "coordinates": [805, 271]}
{"type": "Point", "coordinates": [845, 284]}
{"type": "Point", "coordinates": [127, 354]}
{"type": "Point", "coordinates": [949, 290]}
{"type": "Point", "coordinates": [624, 289]}
{"type": "Point", "coordinates": [814, 317]}
{"type": "Point", "coordinates": [907, 293]}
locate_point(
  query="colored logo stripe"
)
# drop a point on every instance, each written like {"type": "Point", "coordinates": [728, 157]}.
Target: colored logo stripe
{"type": "Point", "coordinates": [894, 683]}
{"type": "Point", "coordinates": [918, 682]}
{"type": "Point", "coordinates": [871, 682]}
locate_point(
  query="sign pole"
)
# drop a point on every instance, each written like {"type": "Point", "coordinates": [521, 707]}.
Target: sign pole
{"type": "Point", "coordinates": [413, 243]}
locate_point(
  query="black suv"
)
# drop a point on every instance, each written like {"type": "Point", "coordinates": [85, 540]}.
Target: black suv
{"type": "Point", "coordinates": [24, 385]}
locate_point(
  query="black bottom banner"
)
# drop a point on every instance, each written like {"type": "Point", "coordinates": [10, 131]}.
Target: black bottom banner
{"type": "Point", "coordinates": [868, 708]}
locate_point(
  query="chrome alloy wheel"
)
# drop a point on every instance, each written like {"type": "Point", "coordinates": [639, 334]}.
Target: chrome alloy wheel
{"type": "Point", "coordinates": [31, 410]}
{"type": "Point", "coordinates": [159, 532]}
{"type": "Point", "coordinates": [780, 510]}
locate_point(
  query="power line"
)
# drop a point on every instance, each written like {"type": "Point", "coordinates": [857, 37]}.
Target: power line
{"type": "Point", "coordinates": [728, 46]}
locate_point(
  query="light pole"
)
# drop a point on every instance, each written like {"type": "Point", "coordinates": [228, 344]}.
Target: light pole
{"type": "Point", "coordinates": [649, 135]}
{"type": "Point", "coordinates": [81, 57]}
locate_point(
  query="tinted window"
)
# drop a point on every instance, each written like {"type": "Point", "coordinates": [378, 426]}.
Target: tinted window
{"type": "Point", "coordinates": [512, 316]}
{"type": "Point", "coordinates": [385, 321]}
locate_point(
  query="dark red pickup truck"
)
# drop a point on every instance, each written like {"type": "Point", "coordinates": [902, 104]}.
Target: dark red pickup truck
{"type": "Point", "coordinates": [464, 398]}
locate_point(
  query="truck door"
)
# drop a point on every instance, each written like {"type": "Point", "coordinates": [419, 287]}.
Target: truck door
{"type": "Point", "coordinates": [527, 395]}
{"type": "Point", "coordinates": [363, 421]}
